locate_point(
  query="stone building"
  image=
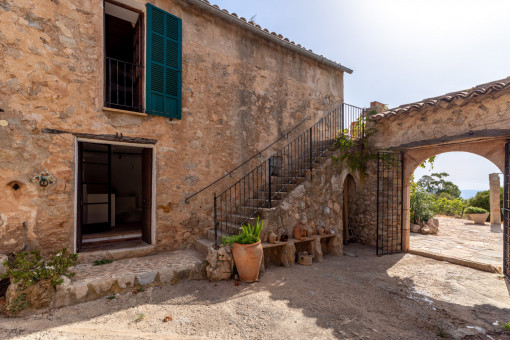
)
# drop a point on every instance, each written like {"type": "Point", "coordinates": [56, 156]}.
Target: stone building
{"type": "Point", "coordinates": [113, 112]}
{"type": "Point", "coordinates": [476, 120]}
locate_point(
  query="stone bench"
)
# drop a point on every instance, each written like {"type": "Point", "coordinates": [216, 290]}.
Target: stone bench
{"type": "Point", "coordinates": [284, 253]}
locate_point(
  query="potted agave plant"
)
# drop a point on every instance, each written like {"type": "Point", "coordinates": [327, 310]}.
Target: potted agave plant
{"type": "Point", "coordinates": [247, 251]}
{"type": "Point", "coordinates": [478, 215]}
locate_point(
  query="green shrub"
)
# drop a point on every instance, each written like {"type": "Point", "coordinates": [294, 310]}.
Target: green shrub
{"type": "Point", "coordinates": [482, 200]}
{"type": "Point", "coordinates": [248, 235]}
{"type": "Point", "coordinates": [421, 205]}
{"type": "Point", "coordinates": [475, 210]}
{"type": "Point", "coordinates": [448, 207]}
{"type": "Point", "coordinates": [30, 268]}
{"type": "Point", "coordinates": [506, 326]}
{"type": "Point", "coordinates": [446, 195]}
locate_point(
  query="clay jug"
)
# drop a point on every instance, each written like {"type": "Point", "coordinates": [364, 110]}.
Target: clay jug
{"type": "Point", "coordinates": [247, 258]}
{"type": "Point", "coordinates": [299, 232]}
{"type": "Point", "coordinates": [273, 238]}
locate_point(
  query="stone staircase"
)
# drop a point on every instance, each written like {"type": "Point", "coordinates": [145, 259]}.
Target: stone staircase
{"type": "Point", "coordinates": [204, 244]}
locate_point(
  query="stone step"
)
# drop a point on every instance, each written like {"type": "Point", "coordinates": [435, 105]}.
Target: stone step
{"type": "Point", "coordinates": [242, 218]}
{"type": "Point", "coordinates": [277, 197]}
{"type": "Point", "coordinates": [287, 178]}
{"type": "Point", "coordinates": [203, 245]}
{"type": "Point", "coordinates": [94, 282]}
{"type": "Point", "coordinates": [230, 226]}
{"type": "Point", "coordinates": [255, 203]}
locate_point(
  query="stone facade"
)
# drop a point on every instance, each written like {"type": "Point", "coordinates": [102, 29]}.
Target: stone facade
{"type": "Point", "coordinates": [239, 92]}
{"type": "Point", "coordinates": [478, 125]}
{"type": "Point", "coordinates": [315, 203]}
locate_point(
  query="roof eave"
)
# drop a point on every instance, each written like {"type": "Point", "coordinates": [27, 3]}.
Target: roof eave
{"type": "Point", "coordinates": [208, 7]}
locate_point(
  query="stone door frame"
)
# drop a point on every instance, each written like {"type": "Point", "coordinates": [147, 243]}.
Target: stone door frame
{"type": "Point", "coordinates": [153, 175]}
{"type": "Point", "coordinates": [491, 149]}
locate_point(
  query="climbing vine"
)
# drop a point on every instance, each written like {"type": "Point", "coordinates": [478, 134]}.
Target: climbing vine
{"type": "Point", "coordinates": [356, 147]}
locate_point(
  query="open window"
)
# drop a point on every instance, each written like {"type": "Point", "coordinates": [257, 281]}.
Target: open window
{"type": "Point", "coordinates": [124, 51]}
{"type": "Point", "coordinates": [125, 67]}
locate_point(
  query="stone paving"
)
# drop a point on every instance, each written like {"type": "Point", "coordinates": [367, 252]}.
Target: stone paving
{"type": "Point", "coordinates": [463, 242]}
{"type": "Point", "coordinates": [92, 282]}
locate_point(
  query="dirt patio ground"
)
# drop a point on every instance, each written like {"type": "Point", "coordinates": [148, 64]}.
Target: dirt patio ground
{"type": "Point", "coordinates": [357, 296]}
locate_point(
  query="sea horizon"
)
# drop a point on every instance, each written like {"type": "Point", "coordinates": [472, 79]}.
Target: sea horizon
{"type": "Point", "coordinates": [469, 193]}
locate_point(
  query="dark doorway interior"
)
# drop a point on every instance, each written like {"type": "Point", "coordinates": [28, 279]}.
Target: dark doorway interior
{"type": "Point", "coordinates": [349, 193]}
{"type": "Point", "coordinates": [114, 193]}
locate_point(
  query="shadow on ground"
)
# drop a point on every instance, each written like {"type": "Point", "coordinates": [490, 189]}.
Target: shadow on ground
{"type": "Point", "coordinates": [359, 296]}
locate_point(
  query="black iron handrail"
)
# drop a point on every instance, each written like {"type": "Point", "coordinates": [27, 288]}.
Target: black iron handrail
{"type": "Point", "coordinates": [286, 134]}
{"type": "Point", "coordinates": [269, 180]}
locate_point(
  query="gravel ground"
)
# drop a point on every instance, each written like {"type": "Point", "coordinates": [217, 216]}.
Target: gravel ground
{"type": "Point", "coordinates": [358, 296]}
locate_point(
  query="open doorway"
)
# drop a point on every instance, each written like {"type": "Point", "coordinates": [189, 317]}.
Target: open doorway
{"type": "Point", "coordinates": [449, 210]}
{"type": "Point", "coordinates": [349, 234]}
{"type": "Point", "coordinates": [114, 196]}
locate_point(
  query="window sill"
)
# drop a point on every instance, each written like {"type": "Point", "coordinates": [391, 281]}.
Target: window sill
{"type": "Point", "coordinates": [109, 109]}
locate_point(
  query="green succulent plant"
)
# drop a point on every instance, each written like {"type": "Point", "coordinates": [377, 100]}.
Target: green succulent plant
{"type": "Point", "coordinates": [249, 234]}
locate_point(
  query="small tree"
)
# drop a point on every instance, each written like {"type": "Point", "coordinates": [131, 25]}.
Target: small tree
{"type": "Point", "coordinates": [436, 184]}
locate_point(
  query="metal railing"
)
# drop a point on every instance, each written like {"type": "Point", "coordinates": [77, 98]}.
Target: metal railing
{"type": "Point", "coordinates": [272, 179]}
{"type": "Point", "coordinates": [123, 85]}
{"type": "Point", "coordinates": [259, 153]}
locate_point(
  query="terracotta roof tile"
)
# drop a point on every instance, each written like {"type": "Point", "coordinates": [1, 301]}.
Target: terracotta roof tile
{"type": "Point", "coordinates": [279, 36]}
{"type": "Point", "coordinates": [453, 98]}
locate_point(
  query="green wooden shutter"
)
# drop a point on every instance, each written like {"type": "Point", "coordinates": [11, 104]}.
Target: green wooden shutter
{"type": "Point", "coordinates": [164, 63]}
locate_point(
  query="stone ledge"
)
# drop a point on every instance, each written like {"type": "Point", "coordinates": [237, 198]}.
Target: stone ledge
{"type": "Point", "coordinates": [109, 109]}
{"type": "Point", "coordinates": [462, 262]}
{"type": "Point", "coordinates": [116, 254]}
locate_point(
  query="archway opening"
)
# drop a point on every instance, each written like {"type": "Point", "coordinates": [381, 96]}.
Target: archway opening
{"type": "Point", "coordinates": [450, 210]}
{"type": "Point", "coordinates": [349, 195]}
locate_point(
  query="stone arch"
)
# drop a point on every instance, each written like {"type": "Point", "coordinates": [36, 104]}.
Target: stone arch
{"type": "Point", "coordinates": [492, 150]}
{"type": "Point", "coordinates": [354, 174]}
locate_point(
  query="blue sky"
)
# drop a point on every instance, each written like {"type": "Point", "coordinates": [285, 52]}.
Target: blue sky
{"type": "Point", "coordinates": [401, 51]}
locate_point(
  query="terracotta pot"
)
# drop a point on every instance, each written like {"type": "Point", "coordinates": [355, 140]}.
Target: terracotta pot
{"type": "Point", "coordinates": [479, 218]}
{"type": "Point", "coordinates": [284, 237]}
{"type": "Point", "coordinates": [273, 238]}
{"type": "Point", "coordinates": [304, 258]}
{"type": "Point", "coordinates": [247, 258]}
{"type": "Point", "coordinates": [299, 231]}
{"type": "Point", "coordinates": [320, 231]}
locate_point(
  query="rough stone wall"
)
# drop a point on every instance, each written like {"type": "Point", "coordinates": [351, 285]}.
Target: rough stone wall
{"type": "Point", "coordinates": [315, 203]}
{"type": "Point", "coordinates": [240, 91]}
{"type": "Point", "coordinates": [364, 210]}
